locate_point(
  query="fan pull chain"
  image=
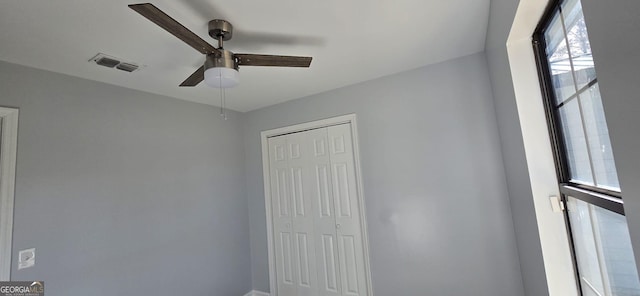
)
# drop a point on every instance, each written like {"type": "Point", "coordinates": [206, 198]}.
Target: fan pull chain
{"type": "Point", "coordinates": [224, 104]}
{"type": "Point", "coordinates": [223, 100]}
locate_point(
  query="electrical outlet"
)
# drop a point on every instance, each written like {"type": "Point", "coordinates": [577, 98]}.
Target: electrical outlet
{"type": "Point", "coordinates": [26, 258]}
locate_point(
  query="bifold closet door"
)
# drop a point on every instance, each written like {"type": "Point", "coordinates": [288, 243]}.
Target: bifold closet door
{"type": "Point", "coordinates": [324, 214]}
{"type": "Point", "coordinates": [317, 234]}
{"type": "Point", "coordinates": [347, 211]}
{"type": "Point", "coordinates": [293, 221]}
{"type": "Point", "coordinates": [302, 216]}
{"type": "Point", "coordinates": [281, 215]}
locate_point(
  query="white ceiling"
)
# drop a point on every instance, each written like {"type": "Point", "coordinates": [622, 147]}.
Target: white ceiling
{"type": "Point", "coordinates": [350, 41]}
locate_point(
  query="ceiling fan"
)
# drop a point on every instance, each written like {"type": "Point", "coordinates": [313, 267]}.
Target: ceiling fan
{"type": "Point", "coordinates": [220, 68]}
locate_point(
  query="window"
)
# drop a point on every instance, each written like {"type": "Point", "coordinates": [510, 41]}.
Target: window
{"type": "Point", "coordinates": [585, 163]}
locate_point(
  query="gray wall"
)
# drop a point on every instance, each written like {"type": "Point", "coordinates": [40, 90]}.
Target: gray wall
{"type": "Point", "coordinates": [518, 182]}
{"type": "Point", "coordinates": [126, 193]}
{"type": "Point", "coordinates": [613, 32]}
{"type": "Point", "coordinates": [438, 213]}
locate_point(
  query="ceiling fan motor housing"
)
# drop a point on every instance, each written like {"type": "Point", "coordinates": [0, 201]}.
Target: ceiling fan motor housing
{"type": "Point", "coordinates": [223, 59]}
{"type": "Point", "coordinates": [220, 28]}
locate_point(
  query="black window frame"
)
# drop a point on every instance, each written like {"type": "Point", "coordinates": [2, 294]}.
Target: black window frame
{"type": "Point", "coordinates": [607, 199]}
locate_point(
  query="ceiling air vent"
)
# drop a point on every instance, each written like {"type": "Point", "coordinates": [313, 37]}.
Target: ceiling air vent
{"type": "Point", "coordinates": [115, 63]}
{"type": "Point", "coordinates": [127, 67]}
{"type": "Point", "coordinates": [107, 62]}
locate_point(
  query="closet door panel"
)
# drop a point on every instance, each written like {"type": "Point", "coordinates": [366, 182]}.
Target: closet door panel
{"type": "Point", "coordinates": [281, 212]}
{"type": "Point", "coordinates": [302, 217]}
{"type": "Point", "coordinates": [323, 213]}
{"type": "Point", "coordinates": [347, 211]}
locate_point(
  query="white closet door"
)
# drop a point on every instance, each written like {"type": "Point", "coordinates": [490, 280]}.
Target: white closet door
{"type": "Point", "coordinates": [316, 215]}
{"type": "Point", "coordinates": [347, 211]}
{"type": "Point", "coordinates": [323, 212]}
{"type": "Point", "coordinates": [302, 214]}
{"type": "Point", "coordinates": [280, 177]}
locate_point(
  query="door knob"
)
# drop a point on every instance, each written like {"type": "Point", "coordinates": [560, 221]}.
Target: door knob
{"type": "Point", "coordinates": [337, 226]}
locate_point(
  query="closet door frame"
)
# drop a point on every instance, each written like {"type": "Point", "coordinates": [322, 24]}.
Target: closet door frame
{"type": "Point", "coordinates": [8, 156]}
{"type": "Point", "coordinates": [264, 136]}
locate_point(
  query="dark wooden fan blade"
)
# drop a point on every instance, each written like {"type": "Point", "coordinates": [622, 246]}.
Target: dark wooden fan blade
{"type": "Point", "coordinates": [272, 60]}
{"type": "Point", "coordinates": [195, 78]}
{"type": "Point", "coordinates": [172, 26]}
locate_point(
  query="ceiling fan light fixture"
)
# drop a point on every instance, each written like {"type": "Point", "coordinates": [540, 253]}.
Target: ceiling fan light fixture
{"type": "Point", "coordinates": [220, 77]}
{"type": "Point", "coordinates": [221, 70]}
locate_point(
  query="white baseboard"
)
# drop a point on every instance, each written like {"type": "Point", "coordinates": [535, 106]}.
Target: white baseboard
{"type": "Point", "coordinates": [256, 293]}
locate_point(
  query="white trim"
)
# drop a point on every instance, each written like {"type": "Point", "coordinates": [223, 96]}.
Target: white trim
{"type": "Point", "coordinates": [554, 240]}
{"type": "Point", "coordinates": [256, 293]}
{"type": "Point", "coordinates": [350, 118]}
{"type": "Point", "coordinates": [363, 210]}
{"type": "Point", "coordinates": [8, 154]}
